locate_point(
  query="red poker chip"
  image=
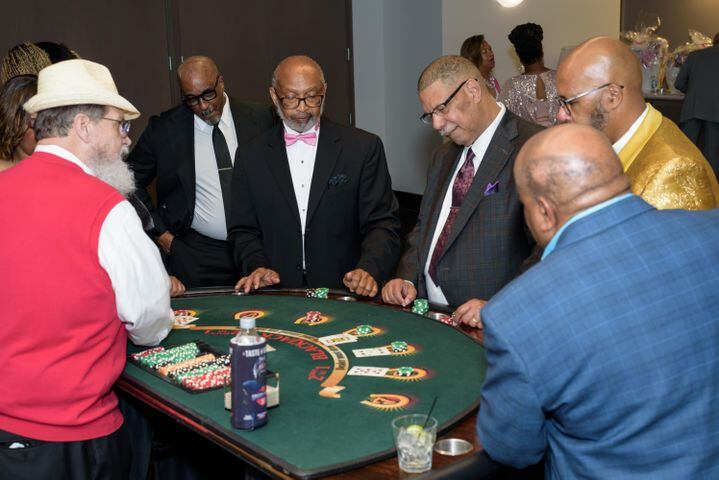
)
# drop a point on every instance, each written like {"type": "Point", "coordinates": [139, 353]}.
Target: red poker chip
{"type": "Point", "coordinates": [313, 316]}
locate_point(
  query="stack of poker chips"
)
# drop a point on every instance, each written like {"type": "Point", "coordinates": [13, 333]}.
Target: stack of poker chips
{"type": "Point", "coordinates": [160, 358]}
{"type": "Point", "coordinates": [318, 292]}
{"type": "Point", "coordinates": [398, 346]}
{"type": "Point", "coordinates": [405, 371]}
{"type": "Point", "coordinates": [364, 329]}
{"type": "Point", "coordinates": [187, 365]}
{"type": "Point", "coordinates": [313, 316]}
{"type": "Point", "coordinates": [420, 306]}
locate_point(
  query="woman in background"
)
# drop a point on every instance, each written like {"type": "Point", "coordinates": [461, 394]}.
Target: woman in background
{"type": "Point", "coordinates": [479, 52]}
{"type": "Point", "coordinates": [17, 137]}
{"type": "Point", "coordinates": [531, 95]}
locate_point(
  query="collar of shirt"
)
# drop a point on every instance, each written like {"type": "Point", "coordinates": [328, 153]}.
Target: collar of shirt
{"type": "Point", "coordinates": [584, 213]}
{"type": "Point", "coordinates": [66, 154]}
{"type": "Point", "coordinates": [619, 144]}
{"type": "Point", "coordinates": [226, 119]}
{"type": "Point", "coordinates": [480, 145]}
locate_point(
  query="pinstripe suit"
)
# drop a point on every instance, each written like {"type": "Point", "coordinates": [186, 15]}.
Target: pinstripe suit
{"type": "Point", "coordinates": [606, 354]}
{"type": "Point", "coordinates": [489, 241]}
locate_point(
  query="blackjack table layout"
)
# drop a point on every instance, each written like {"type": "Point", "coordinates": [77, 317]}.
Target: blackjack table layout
{"type": "Point", "coordinates": [343, 376]}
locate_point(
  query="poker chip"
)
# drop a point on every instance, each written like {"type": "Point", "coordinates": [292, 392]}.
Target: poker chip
{"type": "Point", "coordinates": [210, 379]}
{"type": "Point", "coordinates": [147, 352]}
{"type": "Point", "coordinates": [172, 355]}
{"type": "Point", "coordinates": [187, 364]}
{"type": "Point", "coordinates": [405, 371]}
{"type": "Point", "coordinates": [318, 292]}
{"type": "Point", "coordinates": [420, 306]}
{"type": "Point", "coordinates": [398, 346]}
{"type": "Point", "coordinates": [446, 319]}
{"type": "Point", "coordinates": [313, 316]}
{"type": "Point", "coordinates": [364, 329]}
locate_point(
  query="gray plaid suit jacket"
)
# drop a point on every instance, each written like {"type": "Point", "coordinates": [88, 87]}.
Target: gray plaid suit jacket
{"type": "Point", "coordinates": [489, 243]}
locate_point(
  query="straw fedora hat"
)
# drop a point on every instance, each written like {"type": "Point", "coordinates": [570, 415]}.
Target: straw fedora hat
{"type": "Point", "coordinates": [77, 82]}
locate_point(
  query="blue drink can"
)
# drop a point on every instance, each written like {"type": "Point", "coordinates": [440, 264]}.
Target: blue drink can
{"type": "Point", "coordinates": [248, 360]}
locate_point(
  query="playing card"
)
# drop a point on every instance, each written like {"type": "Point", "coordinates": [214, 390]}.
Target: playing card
{"type": "Point", "coordinates": [338, 339]}
{"type": "Point", "coordinates": [368, 371]}
{"type": "Point", "coordinates": [371, 352]}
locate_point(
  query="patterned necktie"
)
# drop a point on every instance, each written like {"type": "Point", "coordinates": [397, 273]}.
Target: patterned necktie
{"type": "Point", "coordinates": [224, 167]}
{"type": "Point", "coordinates": [461, 185]}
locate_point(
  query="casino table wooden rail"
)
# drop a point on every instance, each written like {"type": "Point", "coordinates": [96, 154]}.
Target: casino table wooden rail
{"type": "Point", "coordinates": [344, 405]}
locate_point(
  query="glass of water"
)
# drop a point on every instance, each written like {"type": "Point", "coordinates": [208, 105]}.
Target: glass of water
{"type": "Point", "coordinates": [414, 441]}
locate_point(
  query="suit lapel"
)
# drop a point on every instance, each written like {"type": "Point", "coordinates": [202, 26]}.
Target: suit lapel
{"type": "Point", "coordinates": [280, 168]}
{"type": "Point", "coordinates": [184, 145]}
{"type": "Point", "coordinates": [328, 151]}
{"type": "Point", "coordinates": [495, 159]}
{"type": "Point", "coordinates": [241, 111]}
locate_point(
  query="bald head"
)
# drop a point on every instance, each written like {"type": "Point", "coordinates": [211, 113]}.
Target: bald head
{"type": "Point", "coordinates": [608, 63]}
{"type": "Point", "coordinates": [197, 66]}
{"type": "Point", "coordinates": [602, 59]}
{"type": "Point", "coordinates": [297, 65]}
{"type": "Point", "coordinates": [564, 170]}
{"type": "Point", "coordinates": [449, 69]}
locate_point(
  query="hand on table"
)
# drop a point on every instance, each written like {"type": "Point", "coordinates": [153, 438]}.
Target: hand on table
{"type": "Point", "coordinates": [177, 288]}
{"type": "Point", "coordinates": [360, 282]}
{"type": "Point", "coordinates": [399, 292]}
{"type": "Point", "coordinates": [165, 242]}
{"type": "Point", "coordinates": [261, 277]}
{"type": "Point", "coordinates": [468, 313]}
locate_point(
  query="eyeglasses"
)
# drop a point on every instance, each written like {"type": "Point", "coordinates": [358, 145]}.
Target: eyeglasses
{"type": "Point", "coordinates": [439, 109]}
{"type": "Point", "coordinates": [291, 103]}
{"type": "Point", "coordinates": [566, 102]}
{"type": "Point", "coordinates": [207, 95]}
{"type": "Point", "coordinates": [124, 125]}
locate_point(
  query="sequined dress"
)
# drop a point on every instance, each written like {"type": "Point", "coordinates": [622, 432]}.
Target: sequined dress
{"type": "Point", "coordinates": [519, 96]}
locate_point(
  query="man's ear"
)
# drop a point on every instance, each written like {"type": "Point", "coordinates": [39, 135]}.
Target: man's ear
{"type": "Point", "coordinates": [275, 98]}
{"type": "Point", "coordinates": [548, 220]}
{"type": "Point", "coordinates": [81, 125]}
{"type": "Point", "coordinates": [474, 89]}
{"type": "Point", "coordinates": [612, 98]}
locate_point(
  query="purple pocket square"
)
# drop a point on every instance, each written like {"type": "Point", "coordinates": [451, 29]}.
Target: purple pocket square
{"type": "Point", "coordinates": [491, 188]}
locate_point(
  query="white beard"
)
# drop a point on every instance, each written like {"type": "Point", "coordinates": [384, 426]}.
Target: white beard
{"type": "Point", "coordinates": [114, 171]}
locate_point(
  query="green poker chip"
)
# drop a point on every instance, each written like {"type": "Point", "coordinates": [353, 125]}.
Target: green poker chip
{"type": "Point", "coordinates": [318, 292]}
{"type": "Point", "coordinates": [364, 330]}
{"type": "Point", "coordinates": [405, 371]}
{"type": "Point", "coordinates": [420, 306]}
{"type": "Point", "coordinates": [398, 346]}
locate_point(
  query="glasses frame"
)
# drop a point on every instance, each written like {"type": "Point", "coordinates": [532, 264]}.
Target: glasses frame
{"type": "Point", "coordinates": [297, 100]}
{"type": "Point", "coordinates": [566, 102]}
{"type": "Point", "coordinates": [208, 95]}
{"type": "Point", "coordinates": [426, 118]}
{"type": "Point", "coordinates": [123, 124]}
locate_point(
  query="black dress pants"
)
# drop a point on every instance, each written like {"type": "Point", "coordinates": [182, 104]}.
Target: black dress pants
{"type": "Point", "coordinates": [105, 458]}
{"type": "Point", "coordinates": [200, 261]}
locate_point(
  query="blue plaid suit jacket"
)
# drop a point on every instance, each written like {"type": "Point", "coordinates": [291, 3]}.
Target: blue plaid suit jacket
{"type": "Point", "coordinates": [605, 355]}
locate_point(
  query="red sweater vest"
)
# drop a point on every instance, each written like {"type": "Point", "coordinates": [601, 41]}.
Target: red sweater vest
{"type": "Point", "coordinates": [62, 345]}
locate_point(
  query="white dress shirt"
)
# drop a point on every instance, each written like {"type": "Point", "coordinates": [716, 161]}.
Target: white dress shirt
{"type": "Point", "coordinates": [209, 216]}
{"type": "Point", "coordinates": [622, 142]}
{"type": "Point", "coordinates": [133, 263]}
{"type": "Point", "coordinates": [301, 158]}
{"type": "Point", "coordinates": [479, 147]}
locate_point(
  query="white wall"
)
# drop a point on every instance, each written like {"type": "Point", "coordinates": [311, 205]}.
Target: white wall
{"type": "Point", "coordinates": [565, 23]}
{"type": "Point", "coordinates": [395, 39]}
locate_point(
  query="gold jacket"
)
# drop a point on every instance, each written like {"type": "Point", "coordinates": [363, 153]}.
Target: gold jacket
{"type": "Point", "coordinates": [666, 169]}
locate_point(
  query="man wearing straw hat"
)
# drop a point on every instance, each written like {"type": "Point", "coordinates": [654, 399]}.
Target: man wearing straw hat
{"type": "Point", "coordinates": [79, 278]}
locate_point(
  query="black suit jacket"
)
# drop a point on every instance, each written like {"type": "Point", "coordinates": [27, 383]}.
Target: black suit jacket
{"type": "Point", "coordinates": [489, 239]}
{"type": "Point", "coordinates": [352, 219]}
{"type": "Point", "coordinates": [166, 153]}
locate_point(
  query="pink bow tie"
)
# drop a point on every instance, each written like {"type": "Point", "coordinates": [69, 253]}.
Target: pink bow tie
{"type": "Point", "coordinates": [309, 138]}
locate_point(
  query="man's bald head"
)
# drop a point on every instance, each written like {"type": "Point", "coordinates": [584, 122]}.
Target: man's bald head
{"type": "Point", "coordinates": [202, 88]}
{"type": "Point", "coordinates": [449, 69]}
{"type": "Point", "coordinates": [562, 171]}
{"type": "Point", "coordinates": [297, 65]}
{"type": "Point", "coordinates": [608, 63]}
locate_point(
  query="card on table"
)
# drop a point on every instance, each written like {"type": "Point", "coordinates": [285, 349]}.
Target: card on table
{"type": "Point", "coordinates": [368, 371]}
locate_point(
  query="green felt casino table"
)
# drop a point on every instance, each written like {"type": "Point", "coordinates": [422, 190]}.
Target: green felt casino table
{"type": "Point", "coordinates": [328, 421]}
